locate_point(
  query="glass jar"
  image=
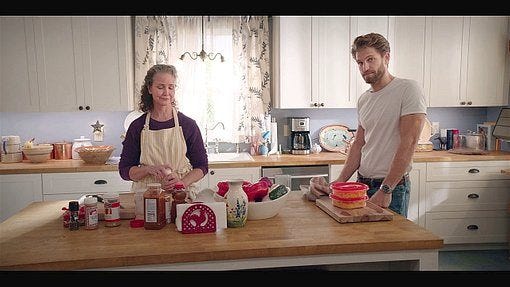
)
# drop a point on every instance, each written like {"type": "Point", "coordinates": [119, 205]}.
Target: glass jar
{"type": "Point", "coordinates": [178, 197]}
{"type": "Point", "coordinates": [111, 209]}
{"type": "Point", "coordinates": [154, 207]}
{"type": "Point", "coordinates": [91, 216]}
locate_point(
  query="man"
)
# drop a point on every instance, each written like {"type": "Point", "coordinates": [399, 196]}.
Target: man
{"type": "Point", "coordinates": [391, 115]}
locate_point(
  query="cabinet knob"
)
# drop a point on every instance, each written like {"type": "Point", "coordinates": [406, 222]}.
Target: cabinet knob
{"type": "Point", "coordinates": [472, 227]}
{"type": "Point", "coordinates": [211, 172]}
{"type": "Point", "coordinates": [100, 181]}
{"type": "Point", "coordinates": [322, 104]}
{"type": "Point", "coordinates": [462, 103]}
{"type": "Point", "coordinates": [469, 103]}
{"type": "Point", "coordinates": [474, 170]}
{"type": "Point", "coordinates": [80, 108]}
{"type": "Point", "coordinates": [473, 195]}
{"type": "Point", "coordinates": [87, 108]}
{"type": "Point", "coordinates": [315, 104]}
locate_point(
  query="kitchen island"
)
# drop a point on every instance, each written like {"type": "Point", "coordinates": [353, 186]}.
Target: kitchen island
{"type": "Point", "coordinates": [300, 235]}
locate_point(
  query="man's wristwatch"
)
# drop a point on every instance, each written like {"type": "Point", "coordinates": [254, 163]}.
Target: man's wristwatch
{"type": "Point", "coordinates": [386, 189]}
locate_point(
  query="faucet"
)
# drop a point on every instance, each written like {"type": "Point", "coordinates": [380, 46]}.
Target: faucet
{"type": "Point", "coordinates": [216, 140]}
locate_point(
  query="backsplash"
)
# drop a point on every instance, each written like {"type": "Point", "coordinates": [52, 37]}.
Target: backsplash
{"type": "Point", "coordinates": [60, 126]}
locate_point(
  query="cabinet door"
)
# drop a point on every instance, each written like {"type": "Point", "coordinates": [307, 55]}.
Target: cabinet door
{"type": "Point", "coordinates": [292, 61]}
{"type": "Point", "coordinates": [487, 52]}
{"type": "Point", "coordinates": [331, 58]}
{"type": "Point", "coordinates": [18, 77]}
{"type": "Point", "coordinates": [17, 191]}
{"type": "Point", "coordinates": [215, 175]}
{"type": "Point", "coordinates": [59, 63]}
{"type": "Point", "coordinates": [408, 49]}
{"type": "Point", "coordinates": [444, 67]}
{"type": "Point", "coordinates": [360, 26]}
{"type": "Point", "coordinates": [107, 54]}
{"type": "Point", "coordinates": [416, 210]}
{"type": "Point", "coordinates": [67, 186]}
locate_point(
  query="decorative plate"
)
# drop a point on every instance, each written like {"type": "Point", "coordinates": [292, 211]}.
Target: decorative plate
{"type": "Point", "coordinates": [335, 137]}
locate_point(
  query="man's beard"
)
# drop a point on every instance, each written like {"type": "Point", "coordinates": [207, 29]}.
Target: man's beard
{"type": "Point", "coordinates": [374, 77]}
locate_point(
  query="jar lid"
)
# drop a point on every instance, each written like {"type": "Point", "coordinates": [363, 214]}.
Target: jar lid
{"type": "Point", "coordinates": [154, 184]}
{"type": "Point", "coordinates": [74, 205]}
{"type": "Point", "coordinates": [82, 139]}
{"type": "Point", "coordinates": [348, 186]}
{"type": "Point", "coordinates": [90, 200]}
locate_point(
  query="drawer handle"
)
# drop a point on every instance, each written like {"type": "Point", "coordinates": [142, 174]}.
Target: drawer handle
{"type": "Point", "coordinates": [100, 181]}
{"type": "Point", "coordinates": [474, 170]}
{"type": "Point", "coordinates": [212, 172]}
{"type": "Point", "coordinates": [473, 195]}
{"type": "Point", "coordinates": [472, 227]}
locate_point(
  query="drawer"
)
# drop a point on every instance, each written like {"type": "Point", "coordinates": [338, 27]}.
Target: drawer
{"type": "Point", "coordinates": [469, 226]}
{"type": "Point", "coordinates": [469, 170]}
{"type": "Point", "coordinates": [60, 185]}
{"type": "Point", "coordinates": [468, 195]}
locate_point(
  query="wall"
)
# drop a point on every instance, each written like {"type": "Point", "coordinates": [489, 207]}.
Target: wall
{"type": "Point", "coordinates": [60, 126]}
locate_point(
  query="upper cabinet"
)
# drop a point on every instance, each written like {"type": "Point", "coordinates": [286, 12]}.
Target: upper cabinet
{"type": "Point", "coordinates": [311, 62]}
{"type": "Point", "coordinates": [75, 63]}
{"type": "Point", "coordinates": [466, 61]}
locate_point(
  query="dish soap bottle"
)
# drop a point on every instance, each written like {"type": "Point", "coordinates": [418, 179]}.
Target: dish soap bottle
{"type": "Point", "coordinates": [237, 204]}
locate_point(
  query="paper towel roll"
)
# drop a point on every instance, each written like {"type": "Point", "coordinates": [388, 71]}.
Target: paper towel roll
{"type": "Point", "coordinates": [274, 137]}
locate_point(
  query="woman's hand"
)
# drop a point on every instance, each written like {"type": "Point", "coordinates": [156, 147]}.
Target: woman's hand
{"type": "Point", "coordinates": [170, 179]}
{"type": "Point", "coordinates": [158, 171]}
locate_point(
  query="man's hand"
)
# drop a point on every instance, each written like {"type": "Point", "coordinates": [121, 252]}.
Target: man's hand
{"type": "Point", "coordinates": [380, 198]}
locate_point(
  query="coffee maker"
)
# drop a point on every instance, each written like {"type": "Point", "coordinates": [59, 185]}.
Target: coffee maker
{"type": "Point", "coordinates": [300, 135]}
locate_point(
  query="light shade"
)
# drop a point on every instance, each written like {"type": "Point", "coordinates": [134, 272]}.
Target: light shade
{"type": "Point", "coordinates": [203, 54]}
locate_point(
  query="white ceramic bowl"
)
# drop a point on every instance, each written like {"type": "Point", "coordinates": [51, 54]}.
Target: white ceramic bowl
{"type": "Point", "coordinates": [38, 153]}
{"type": "Point", "coordinates": [266, 209]}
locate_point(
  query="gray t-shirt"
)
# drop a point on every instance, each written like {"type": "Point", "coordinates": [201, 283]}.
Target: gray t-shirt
{"type": "Point", "coordinates": [379, 114]}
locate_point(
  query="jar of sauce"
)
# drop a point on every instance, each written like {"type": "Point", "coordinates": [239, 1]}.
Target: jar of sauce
{"type": "Point", "coordinates": [111, 209]}
{"type": "Point", "coordinates": [154, 207]}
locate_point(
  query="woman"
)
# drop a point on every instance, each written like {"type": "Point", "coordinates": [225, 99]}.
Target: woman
{"type": "Point", "coordinates": [162, 145]}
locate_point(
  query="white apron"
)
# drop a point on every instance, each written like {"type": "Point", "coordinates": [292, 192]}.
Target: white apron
{"type": "Point", "coordinates": [166, 146]}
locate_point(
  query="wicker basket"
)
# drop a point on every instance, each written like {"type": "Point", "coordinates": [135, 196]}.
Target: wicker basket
{"type": "Point", "coordinates": [98, 154]}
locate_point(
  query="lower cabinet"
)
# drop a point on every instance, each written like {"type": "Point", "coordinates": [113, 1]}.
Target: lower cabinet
{"type": "Point", "coordinates": [467, 202]}
{"type": "Point", "coordinates": [73, 185]}
{"type": "Point", "coordinates": [215, 175]}
{"type": "Point", "coordinates": [17, 191]}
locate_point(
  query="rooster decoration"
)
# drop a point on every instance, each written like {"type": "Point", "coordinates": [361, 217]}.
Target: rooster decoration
{"type": "Point", "coordinates": [198, 218]}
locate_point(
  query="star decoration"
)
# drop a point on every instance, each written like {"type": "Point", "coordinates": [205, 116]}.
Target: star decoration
{"type": "Point", "coordinates": [97, 127]}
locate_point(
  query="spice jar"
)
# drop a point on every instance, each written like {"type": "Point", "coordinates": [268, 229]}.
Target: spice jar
{"type": "Point", "coordinates": [111, 209]}
{"type": "Point", "coordinates": [91, 217]}
{"type": "Point", "coordinates": [178, 196]}
{"type": "Point", "coordinates": [74, 207]}
{"type": "Point", "coordinates": [154, 207]}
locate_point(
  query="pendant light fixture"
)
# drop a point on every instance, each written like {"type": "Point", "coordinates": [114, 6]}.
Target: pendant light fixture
{"type": "Point", "coordinates": [202, 55]}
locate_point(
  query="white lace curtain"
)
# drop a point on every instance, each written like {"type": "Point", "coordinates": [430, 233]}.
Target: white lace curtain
{"type": "Point", "coordinates": [235, 92]}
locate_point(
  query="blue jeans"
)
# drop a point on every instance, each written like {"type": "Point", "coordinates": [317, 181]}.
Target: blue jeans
{"type": "Point", "coordinates": [399, 196]}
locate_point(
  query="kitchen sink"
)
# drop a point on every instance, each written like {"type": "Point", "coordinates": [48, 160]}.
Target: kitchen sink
{"type": "Point", "coordinates": [229, 156]}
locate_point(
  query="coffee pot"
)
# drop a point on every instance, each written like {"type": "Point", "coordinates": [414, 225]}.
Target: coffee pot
{"type": "Point", "coordinates": [473, 140]}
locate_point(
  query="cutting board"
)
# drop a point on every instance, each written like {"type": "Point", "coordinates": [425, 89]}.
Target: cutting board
{"type": "Point", "coordinates": [371, 212]}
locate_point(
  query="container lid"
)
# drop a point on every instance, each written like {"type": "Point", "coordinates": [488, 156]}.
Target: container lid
{"type": "Point", "coordinates": [82, 139]}
{"type": "Point", "coordinates": [74, 205]}
{"type": "Point", "coordinates": [90, 200]}
{"type": "Point", "coordinates": [111, 195]}
{"type": "Point", "coordinates": [348, 186]}
{"type": "Point", "coordinates": [154, 184]}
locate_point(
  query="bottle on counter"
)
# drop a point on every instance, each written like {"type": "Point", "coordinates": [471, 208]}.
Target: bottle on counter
{"type": "Point", "coordinates": [237, 204]}
{"type": "Point", "coordinates": [178, 196]}
{"type": "Point", "coordinates": [91, 216]}
{"type": "Point", "coordinates": [74, 208]}
{"type": "Point", "coordinates": [111, 209]}
{"type": "Point", "coordinates": [168, 197]}
{"type": "Point", "coordinates": [154, 207]}
{"type": "Point", "coordinates": [139, 203]}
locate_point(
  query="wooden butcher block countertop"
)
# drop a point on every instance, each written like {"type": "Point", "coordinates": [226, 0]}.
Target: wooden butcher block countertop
{"type": "Point", "coordinates": [323, 158]}
{"type": "Point", "coordinates": [34, 239]}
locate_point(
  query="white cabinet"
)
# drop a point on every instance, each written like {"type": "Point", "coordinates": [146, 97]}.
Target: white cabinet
{"type": "Point", "coordinates": [68, 63]}
{"type": "Point", "coordinates": [215, 175]}
{"type": "Point", "coordinates": [466, 61]}
{"type": "Point", "coordinates": [17, 191]}
{"type": "Point", "coordinates": [311, 61]}
{"type": "Point", "coordinates": [466, 202]}
{"type": "Point", "coordinates": [73, 185]}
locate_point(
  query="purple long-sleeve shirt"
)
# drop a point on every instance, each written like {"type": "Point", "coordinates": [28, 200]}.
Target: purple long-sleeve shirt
{"type": "Point", "coordinates": [130, 155]}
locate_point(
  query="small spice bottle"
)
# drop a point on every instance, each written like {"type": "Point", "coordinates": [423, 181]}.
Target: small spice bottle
{"type": "Point", "coordinates": [178, 196]}
{"type": "Point", "coordinates": [91, 217]}
{"type": "Point", "coordinates": [111, 209]}
{"type": "Point", "coordinates": [167, 196]}
{"type": "Point", "coordinates": [154, 207]}
{"type": "Point", "coordinates": [74, 207]}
